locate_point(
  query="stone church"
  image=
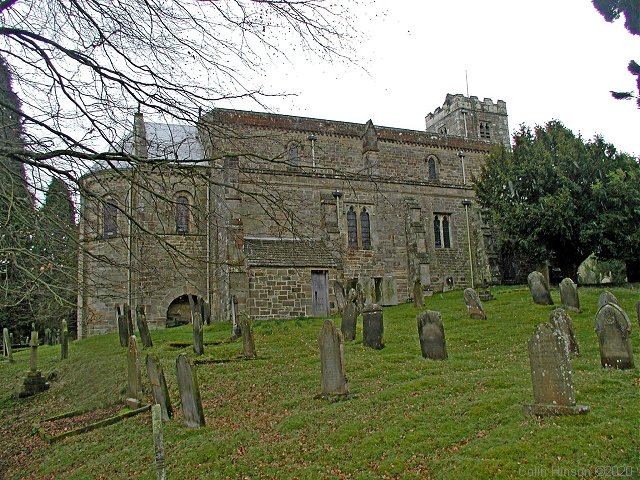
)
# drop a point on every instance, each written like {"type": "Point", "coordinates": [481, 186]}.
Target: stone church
{"type": "Point", "coordinates": [274, 216]}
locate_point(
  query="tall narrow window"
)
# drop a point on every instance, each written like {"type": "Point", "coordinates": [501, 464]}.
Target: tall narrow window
{"type": "Point", "coordinates": [365, 230]}
{"type": "Point", "coordinates": [182, 214]}
{"type": "Point", "coordinates": [431, 165]}
{"type": "Point", "coordinates": [109, 219]}
{"type": "Point", "coordinates": [446, 234]}
{"type": "Point", "coordinates": [436, 232]}
{"type": "Point", "coordinates": [442, 230]}
{"type": "Point", "coordinates": [352, 228]}
{"type": "Point", "coordinates": [293, 157]}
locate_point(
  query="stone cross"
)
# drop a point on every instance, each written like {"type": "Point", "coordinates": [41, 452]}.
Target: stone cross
{"type": "Point", "coordinates": [372, 326]}
{"type": "Point", "coordinates": [143, 327]}
{"type": "Point", "coordinates": [34, 382]}
{"type": "Point", "coordinates": [64, 341]}
{"type": "Point", "coordinates": [134, 375]}
{"type": "Point", "coordinates": [474, 305]}
{"type": "Point", "coordinates": [569, 298]}
{"type": "Point", "coordinates": [334, 379]}
{"type": "Point", "coordinates": [562, 324]}
{"type": "Point", "coordinates": [7, 344]}
{"type": "Point", "coordinates": [123, 327]}
{"type": "Point", "coordinates": [248, 345]}
{"type": "Point", "coordinates": [551, 377]}
{"type": "Point", "coordinates": [349, 317]}
{"type": "Point", "coordinates": [539, 289]}
{"type": "Point", "coordinates": [418, 294]}
{"type": "Point", "coordinates": [33, 360]}
{"type": "Point", "coordinates": [189, 393]}
{"type": "Point", "coordinates": [607, 297]}
{"type": "Point", "coordinates": [158, 442]}
{"type": "Point", "coordinates": [431, 332]}
{"type": "Point", "coordinates": [159, 386]}
{"type": "Point", "coordinates": [614, 336]}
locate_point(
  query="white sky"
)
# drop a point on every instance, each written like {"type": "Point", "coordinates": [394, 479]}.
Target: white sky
{"type": "Point", "coordinates": [548, 59]}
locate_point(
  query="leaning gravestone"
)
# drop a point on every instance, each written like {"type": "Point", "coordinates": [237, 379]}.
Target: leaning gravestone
{"type": "Point", "coordinates": [561, 322]}
{"type": "Point", "coordinates": [614, 336]}
{"type": "Point", "coordinates": [418, 295]}
{"type": "Point", "coordinates": [372, 326]}
{"type": "Point", "coordinates": [248, 345]}
{"type": "Point", "coordinates": [34, 382]}
{"type": "Point", "coordinates": [569, 298]}
{"type": "Point", "coordinates": [189, 392]}
{"type": "Point", "coordinates": [159, 386]}
{"type": "Point", "coordinates": [7, 344]}
{"type": "Point", "coordinates": [474, 305]}
{"type": "Point", "coordinates": [143, 327]}
{"type": "Point", "coordinates": [539, 289]}
{"type": "Point", "coordinates": [553, 390]}
{"type": "Point", "coordinates": [431, 332]}
{"type": "Point", "coordinates": [607, 297]}
{"type": "Point", "coordinates": [158, 442]}
{"type": "Point", "coordinates": [334, 379]}
{"type": "Point", "coordinates": [134, 375]}
{"type": "Point", "coordinates": [64, 341]}
{"type": "Point", "coordinates": [349, 317]}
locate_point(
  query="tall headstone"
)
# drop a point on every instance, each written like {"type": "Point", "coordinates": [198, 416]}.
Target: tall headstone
{"type": "Point", "coordinates": [128, 316]}
{"type": "Point", "coordinates": [34, 382]}
{"type": "Point", "coordinates": [553, 390]}
{"type": "Point", "coordinates": [248, 345]}
{"type": "Point", "coordinates": [64, 341]}
{"type": "Point", "coordinates": [607, 297]}
{"type": "Point", "coordinates": [143, 327]}
{"type": "Point", "coordinates": [192, 412]}
{"type": "Point", "coordinates": [474, 304]}
{"type": "Point", "coordinates": [418, 295]}
{"type": "Point", "coordinates": [334, 379]}
{"type": "Point", "coordinates": [372, 326]}
{"type": "Point", "coordinates": [159, 386]}
{"type": "Point", "coordinates": [158, 442]}
{"type": "Point", "coordinates": [431, 332]}
{"type": "Point", "coordinates": [569, 298]}
{"type": "Point", "coordinates": [349, 317]}
{"type": "Point", "coordinates": [539, 288]}
{"type": "Point", "coordinates": [123, 326]}
{"type": "Point", "coordinates": [7, 344]}
{"type": "Point", "coordinates": [561, 322]}
{"type": "Point", "coordinates": [196, 321]}
{"type": "Point", "coordinates": [134, 375]}
{"type": "Point", "coordinates": [614, 336]}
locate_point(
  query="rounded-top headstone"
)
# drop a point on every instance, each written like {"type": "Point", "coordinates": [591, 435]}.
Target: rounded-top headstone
{"type": "Point", "coordinates": [607, 297]}
{"type": "Point", "coordinates": [614, 337]}
{"type": "Point", "coordinates": [431, 333]}
{"type": "Point", "coordinates": [569, 295]}
{"type": "Point", "coordinates": [539, 289]}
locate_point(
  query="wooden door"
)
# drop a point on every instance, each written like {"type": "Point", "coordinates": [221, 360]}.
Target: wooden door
{"type": "Point", "coordinates": [319, 293]}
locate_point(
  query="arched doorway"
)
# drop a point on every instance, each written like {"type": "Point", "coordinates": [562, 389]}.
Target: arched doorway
{"type": "Point", "coordinates": [179, 311]}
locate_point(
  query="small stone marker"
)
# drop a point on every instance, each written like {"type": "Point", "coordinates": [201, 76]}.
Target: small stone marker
{"type": "Point", "coordinates": [334, 379]}
{"type": "Point", "coordinates": [159, 386]}
{"type": "Point", "coordinates": [64, 341]}
{"type": "Point", "coordinates": [553, 391]}
{"type": "Point", "coordinates": [569, 298]}
{"type": "Point", "coordinates": [474, 305]}
{"type": "Point", "coordinates": [607, 297]}
{"type": "Point", "coordinates": [614, 336]}
{"type": "Point", "coordinates": [418, 295]}
{"type": "Point", "coordinates": [431, 332]}
{"type": "Point", "coordinates": [248, 345]}
{"type": "Point", "coordinates": [561, 322]}
{"type": "Point", "coordinates": [34, 382]}
{"type": "Point", "coordinates": [189, 392]}
{"type": "Point", "coordinates": [123, 327]}
{"type": "Point", "coordinates": [158, 442]}
{"type": "Point", "coordinates": [539, 289]}
{"type": "Point", "coordinates": [372, 326]}
{"type": "Point", "coordinates": [143, 327]}
{"type": "Point", "coordinates": [7, 344]}
{"type": "Point", "coordinates": [349, 317]}
{"type": "Point", "coordinates": [134, 375]}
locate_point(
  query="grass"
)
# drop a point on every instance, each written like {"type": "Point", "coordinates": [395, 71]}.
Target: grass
{"type": "Point", "coordinates": [412, 418]}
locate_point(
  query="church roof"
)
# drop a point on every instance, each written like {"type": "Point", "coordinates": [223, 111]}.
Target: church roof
{"type": "Point", "coordinates": [287, 252]}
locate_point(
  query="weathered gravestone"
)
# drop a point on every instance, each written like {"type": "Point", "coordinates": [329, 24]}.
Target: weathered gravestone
{"type": "Point", "coordinates": [7, 344]}
{"type": "Point", "coordinates": [431, 333]}
{"type": "Point", "coordinates": [607, 297]}
{"type": "Point", "coordinates": [143, 327]}
{"type": "Point", "coordinates": [474, 305]}
{"type": "Point", "coordinates": [235, 325]}
{"type": "Point", "coordinates": [349, 317]}
{"type": "Point", "coordinates": [569, 298]}
{"type": "Point", "coordinates": [198, 333]}
{"type": "Point", "coordinates": [372, 326]}
{"type": "Point", "coordinates": [158, 442]}
{"type": "Point", "coordinates": [134, 375]}
{"type": "Point", "coordinates": [123, 325]}
{"type": "Point", "coordinates": [334, 379]}
{"type": "Point", "coordinates": [248, 345]}
{"type": "Point", "coordinates": [614, 336]}
{"type": "Point", "coordinates": [192, 412]}
{"type": "Point", "coordinates": [64, 341]}
{"type": "Point", "coordinates": [34, 382]}
{"type": "Point", "coordinates": [553, 390]}
{"type": "Point", "coordinates": [539, 289]}
{"type": "Point", "coordinates": [159, 386]}
{"type": "Point", "coordinates": [561, 322]}
{"type": "Point", "coordinates": [418, 295]}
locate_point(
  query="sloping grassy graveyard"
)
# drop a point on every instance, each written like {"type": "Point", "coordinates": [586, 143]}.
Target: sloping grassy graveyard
{"type": "Point", "coordinates": [460, 418]}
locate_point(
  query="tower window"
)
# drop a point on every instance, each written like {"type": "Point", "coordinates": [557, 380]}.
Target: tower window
{"type": "Point", "coordinates": [485, 130]}
{"type": "Point", "coordinates": [109, 219]}
{"type": "Point", "coordinates": [432, 173]}
{"type": "Point", "coordinates": [182, 214]}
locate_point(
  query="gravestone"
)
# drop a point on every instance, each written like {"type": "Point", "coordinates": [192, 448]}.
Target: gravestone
{"type": "Point", "coordinates": [539, 289]}
{"type": "Point", "coordinates": [607, 297]}
{"type": "Point", "coordinates": [192, 412]}
{"type": "Point", "coordinates": [235, 325]}
{"type": "Point", "coordinates": [569, 298]}
{"type": "Point", "coordinates": [372, 326]}
{"type": "Point", "coordinates": [614, 336]}
{"type": "Point", "coordinates": [64, 341]}
{"type": "Point", "coordinates": [431, 333]}
{"type": "Point", "coordinates": [34, 382]}
{"type": "Point", "coordinates": [418, 295]}
{"type": "Point", "coordinates": [349, 317]}
{"type": "Point", "coordinates": [123, 326]}
{"type": "Point", "coordinates": [7, 344]}
{"type": "Point", "coordinates": [474, 305]}
{"type": "Point", "coordinates": [159, 386]}
{"type": "Point", "coordinates": [248, 345]}
{"type": "Point", "coordinates": [158, 442]}
{"type": "Point", "coordinates": [338, 291]}
{"type": "Point", "coordinates": [334, 379]}
{"type": "Point", "coordinates": [129, 318]}
{"type": "Point", "coordinates": [143, 327]}
{"type": "Point", "coordinates": [551, 377]}
{"type": "Point", "coordinates": [206, 313]}
{"type": "Point", "coordinates": [561, 322]}
{"type": "Point", "coordinates": [134, 375]}
{"type": "Point", "coordinates": [198, 333]}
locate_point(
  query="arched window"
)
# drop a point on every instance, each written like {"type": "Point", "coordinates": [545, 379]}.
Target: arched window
{"type": "Point", "coordinates": [442, 230]}
{"type": "Point", "coordinates": [446, 234]}
{"type": "Point", "coordinates": [182, 214]}
{"type": "Point", "coordinates": [365, 230]}
{"type": "Point", "coordinates": [109, 219]}
{"type": "Point", "coordinates": [352, 228]}
{"type": "Point", "coordinates": [431, 169]}
{"type": "Point", "coordinates": [436, 232]}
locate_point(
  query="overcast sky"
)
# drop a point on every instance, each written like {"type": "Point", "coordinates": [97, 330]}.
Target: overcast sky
{"type": "Point", "coordinates": [548, 59]}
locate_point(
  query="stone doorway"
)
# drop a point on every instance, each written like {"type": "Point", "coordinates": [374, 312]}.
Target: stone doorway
{"type": "Point", "coordinates": [179, 311]}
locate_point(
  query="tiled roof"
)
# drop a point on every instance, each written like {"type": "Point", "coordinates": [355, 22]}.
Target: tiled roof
{"type": "Point", "coordinates": [287, 252]}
